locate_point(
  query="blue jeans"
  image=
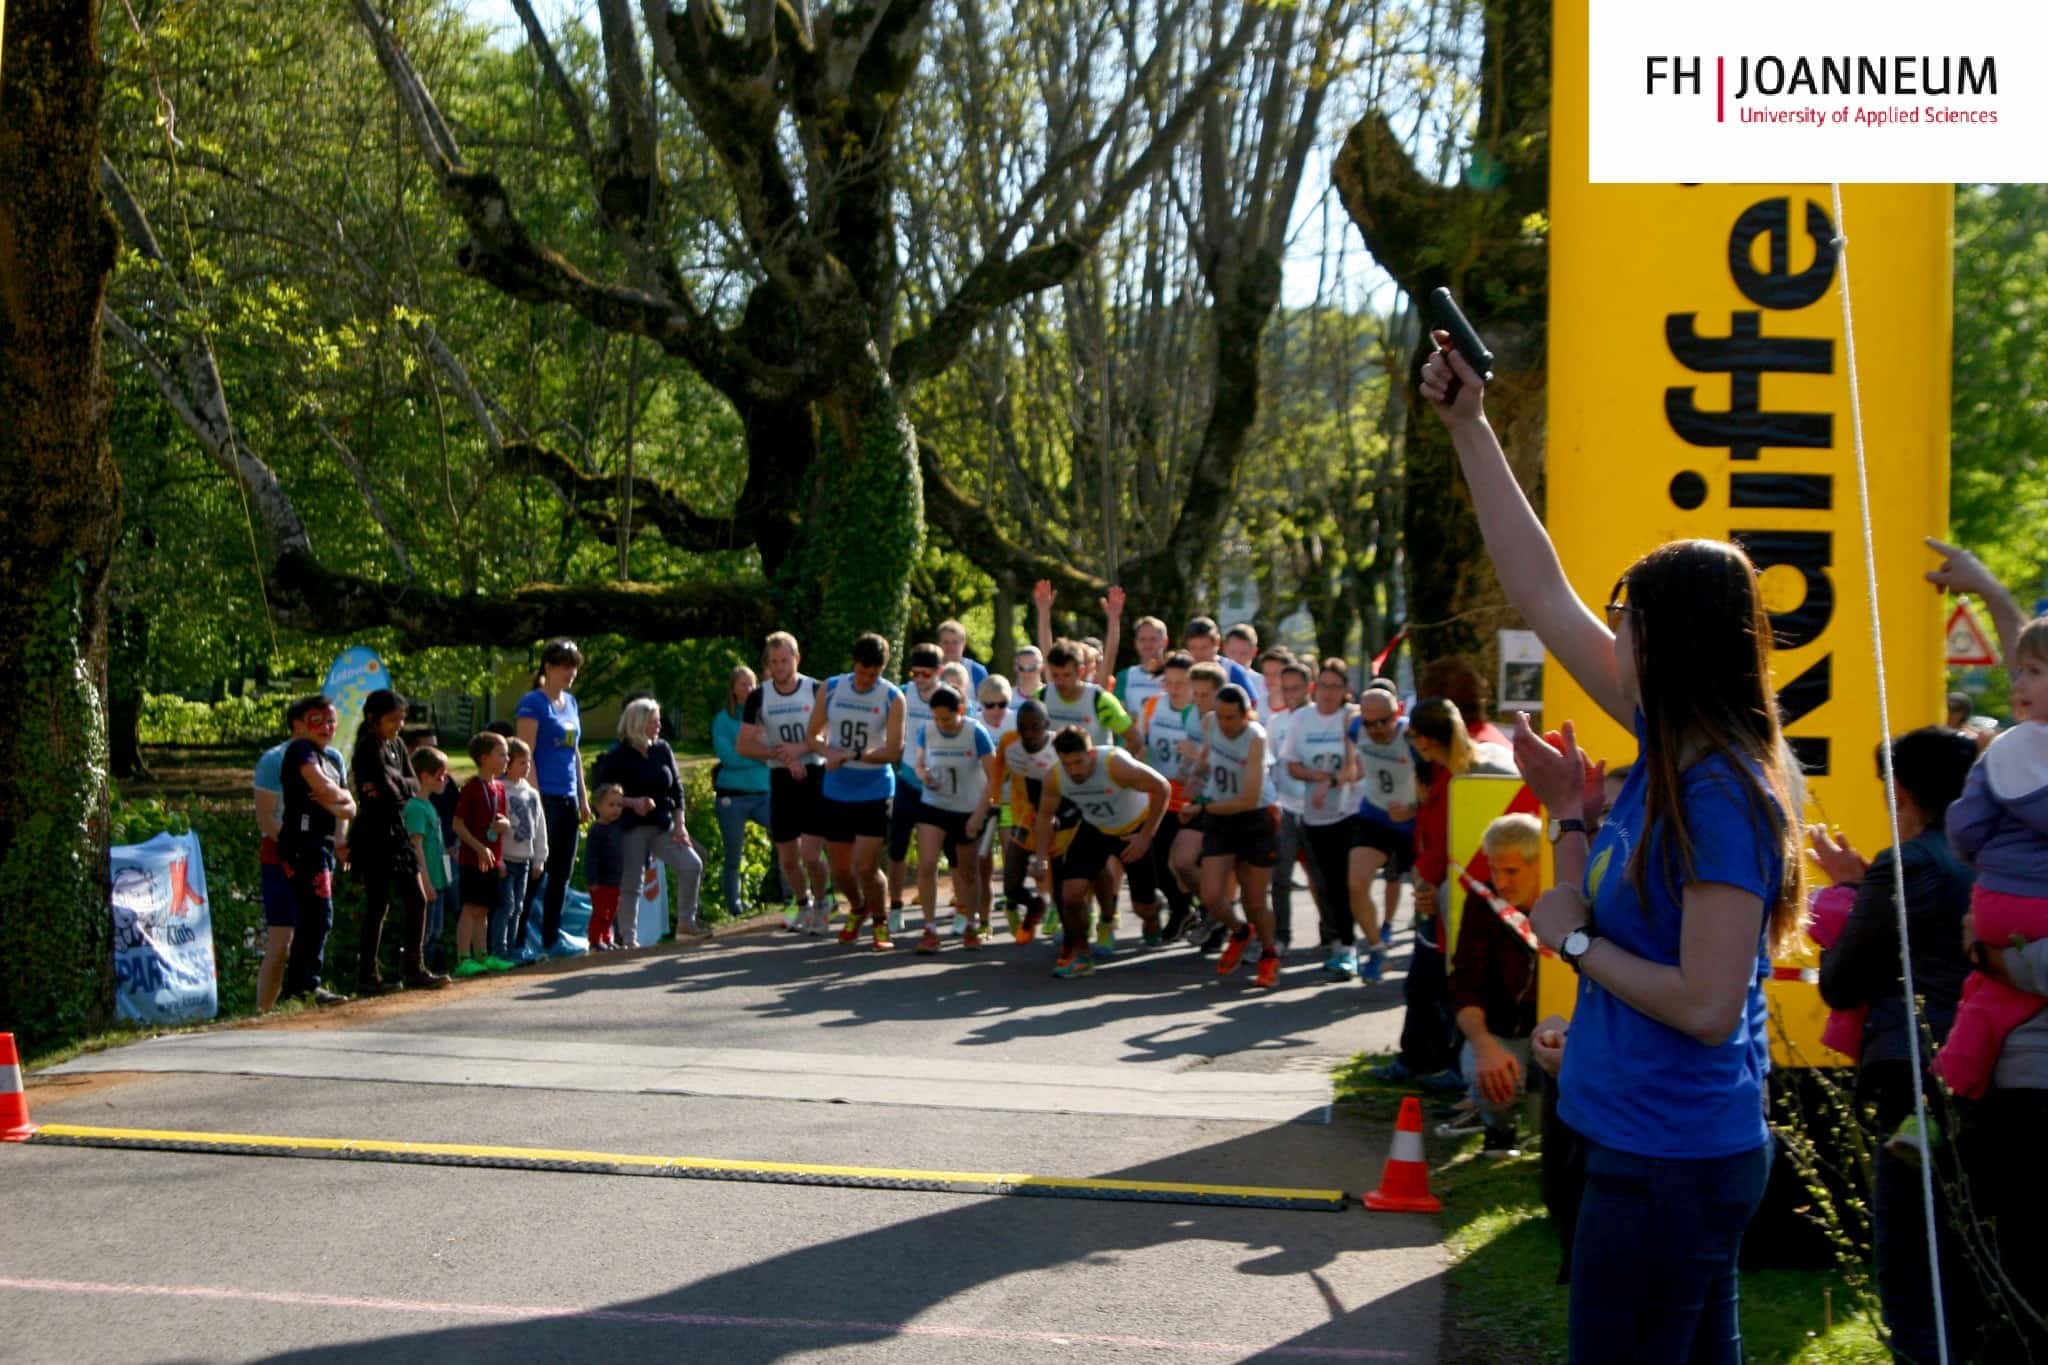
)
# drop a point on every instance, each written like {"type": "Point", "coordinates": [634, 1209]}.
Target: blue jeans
{"type": "Point", "coordinates": [1653, 1262]}
{"type": "Point", "coordinates": [443, 909]}
{"type": "Point", "coordinates": [509, 909]}
{"type": "Point", "coordinates": [734, 810]}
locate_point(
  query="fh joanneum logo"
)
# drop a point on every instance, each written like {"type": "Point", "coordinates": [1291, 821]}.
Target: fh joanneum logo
{"type": "Point", "coordinates": [1775, 89]}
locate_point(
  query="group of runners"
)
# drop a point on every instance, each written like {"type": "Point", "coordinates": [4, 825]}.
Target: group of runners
{"type": "Point", "coordinates": [1190, 776]}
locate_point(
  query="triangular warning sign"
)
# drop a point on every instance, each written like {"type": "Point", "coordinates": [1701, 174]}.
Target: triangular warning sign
{"type": "Point", "coordinates": [1968, 646]}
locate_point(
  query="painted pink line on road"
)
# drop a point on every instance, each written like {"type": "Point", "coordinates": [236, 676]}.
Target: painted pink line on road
{"type": "Point", "coordinates": [534, 1312]}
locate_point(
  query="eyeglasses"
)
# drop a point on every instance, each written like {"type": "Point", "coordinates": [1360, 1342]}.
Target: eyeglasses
{"type": "Point", "coordinates": [995, 706]}
{"type": "Point", "coordinates": [1614, 611]}
{"type": "Point", "coordinates": [1382, 723]}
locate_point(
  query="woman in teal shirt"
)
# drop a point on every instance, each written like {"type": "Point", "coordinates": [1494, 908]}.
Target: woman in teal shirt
{"type": "Point", "coordinates": [740, 782]}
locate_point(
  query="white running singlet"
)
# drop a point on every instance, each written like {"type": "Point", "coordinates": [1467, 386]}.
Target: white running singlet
{"type": "Point", "coordinates": [1103, 801]}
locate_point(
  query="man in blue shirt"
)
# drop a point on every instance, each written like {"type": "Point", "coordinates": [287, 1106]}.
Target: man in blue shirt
{"type": "Point", "coordinates": [1204, 646]}
{"type": "Point", "coordinates": [859, 730]}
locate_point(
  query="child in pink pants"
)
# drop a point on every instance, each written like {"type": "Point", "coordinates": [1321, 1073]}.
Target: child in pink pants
{"type": "Point", "coordinates": [2000, 827]}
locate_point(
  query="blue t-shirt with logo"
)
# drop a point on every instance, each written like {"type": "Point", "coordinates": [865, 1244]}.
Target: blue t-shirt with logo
{"type": "Point", "coordinates": [557, 764]}
{"type": "Point", "coordinates": [1633, 1083]}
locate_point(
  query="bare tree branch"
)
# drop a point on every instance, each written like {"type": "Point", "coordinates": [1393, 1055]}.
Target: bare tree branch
{"type": "Point", "coordinates": [1000, 279]}
{"type": "Point", "coordinates": [501, 251]}
{"type": "Point", "coordinates": [973, 528]}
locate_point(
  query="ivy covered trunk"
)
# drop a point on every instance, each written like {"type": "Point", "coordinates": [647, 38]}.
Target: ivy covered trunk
{"type": "Point", "coordinates": [58, 483]}
{"type": "Point", "coordinates": [864, 526]}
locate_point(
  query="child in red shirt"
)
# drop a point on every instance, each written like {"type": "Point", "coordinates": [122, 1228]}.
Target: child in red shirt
{"type": "Point", "coordinates": [480, 822]}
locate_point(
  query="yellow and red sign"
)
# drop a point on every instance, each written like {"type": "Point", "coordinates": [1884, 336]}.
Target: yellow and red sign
{"type": "Point", "coordinates": [1698, 387]}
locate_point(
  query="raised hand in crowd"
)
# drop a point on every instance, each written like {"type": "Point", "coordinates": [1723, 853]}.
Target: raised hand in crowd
{"type": "Point", "coordinates": [1833, 854]}
{"type": "Point", "coordinates": [1963, 573]}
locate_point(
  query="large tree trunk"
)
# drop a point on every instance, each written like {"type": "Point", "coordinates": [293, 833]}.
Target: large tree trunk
{"type": "Point", "coordinates": [1473, 237]}
{"type": "Point", "coordinates": [864, 528]}
{"type": "Point", "coordinates": [58, 482]}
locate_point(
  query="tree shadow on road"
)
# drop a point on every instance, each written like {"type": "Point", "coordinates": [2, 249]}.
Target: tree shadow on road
{"type": "Point", "coordinates": [894, 1283]}
{"type": "Point", "coordinates": [1006, 994]}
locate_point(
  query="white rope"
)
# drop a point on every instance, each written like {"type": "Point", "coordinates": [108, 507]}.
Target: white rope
{"type": "Point", "coordinates": [1884, 722]}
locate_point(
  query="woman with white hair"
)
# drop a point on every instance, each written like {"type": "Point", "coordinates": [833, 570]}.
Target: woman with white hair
{"type": "Point", "coordinates": [644, 767]}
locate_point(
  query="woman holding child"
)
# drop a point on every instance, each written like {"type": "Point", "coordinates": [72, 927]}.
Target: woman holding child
{"type": "Point", "coordinates": [644, 768]}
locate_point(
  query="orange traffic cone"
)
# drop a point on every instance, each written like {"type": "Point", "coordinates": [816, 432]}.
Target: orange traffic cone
{"type": "Point", "coordinates": [1404, 1180]}
{"type": "Point", "coordinates": [14, 1124]}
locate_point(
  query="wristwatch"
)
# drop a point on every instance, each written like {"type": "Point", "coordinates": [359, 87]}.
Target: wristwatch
{"type": "Point", "coordinates": [1568, 825]}
{"type": "Point", "coordinates": [1575, 946]}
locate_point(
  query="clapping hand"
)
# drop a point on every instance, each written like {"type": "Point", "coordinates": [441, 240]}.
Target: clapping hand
{"type": "Point", "coordinates": [1834, 855]}
{"type": "Point", "coordinates": [1563, 778]}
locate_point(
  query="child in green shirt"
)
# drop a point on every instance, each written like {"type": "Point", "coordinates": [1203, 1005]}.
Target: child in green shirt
{"type": "Point", "coordinates": [423, 822]}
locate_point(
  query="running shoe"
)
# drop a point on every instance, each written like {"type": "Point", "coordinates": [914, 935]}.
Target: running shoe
{"type": "Point", "coordinates": [850, 931]}
{"type": "Point", "coordinates": [494, 963]}
{"type": "Point", "coordinates": [1341, 965]}
{"type": "Point", "coordinates": [1374, 968]}
{"type": "Point", "coordinates": [1105, 939]}
{"type": "Point", "coordinates": [797, 917]}
{"type": "Point", "coordinates": [1269, 972]}
{"type": "Point", "coordinates": [883, 943]}
{"type": "Point", "coordinates": [1195, 930]}
{"type": "Point", "coordinates": [1462, 1126]}
{"type": "Point", "coordinates": [1214, 939]}
{"type": "Point", "coordinates": [1150, 931]}
{"type": "Point", "coordinates": [1029, 929]}
{"type": "Point", "coordinates": [1015, 919]}
{"type": "Point", "coordinates": [1176, 923]}
{"type": "Point", "coordinates": [1500, 1144]}
{"type": "Point", "coordinates": [1233, 951]}
{"type": "Point", "coordinates": [1071, 965]}
{"type": "Point", "coordinates": [468, 967]}
{"type": "Point", "coordinates": [930, 943]}
{"type": "Point", "coordinates": [971, 940]}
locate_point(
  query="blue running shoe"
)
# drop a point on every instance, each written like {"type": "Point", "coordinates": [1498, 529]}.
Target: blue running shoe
{"type": "Point", "coordinates": [1342, 964]}
{"type": "Point", "coordinates": [1374, 968]}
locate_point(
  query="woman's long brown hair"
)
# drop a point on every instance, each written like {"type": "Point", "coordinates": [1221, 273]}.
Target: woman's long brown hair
{"type": "Point", "coordinates": [1437, 719]}
{"type": "Point", "coordinates": [1703, 660]}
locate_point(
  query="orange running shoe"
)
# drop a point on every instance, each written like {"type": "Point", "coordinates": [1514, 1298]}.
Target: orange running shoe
{"type": "Point", "coordinates": [1029, 930]}
{"type": "Point", "coordinates": [1233, 951]}
{"type": "Point", "coordinates": [929, 944]}
{"type": "Point", "coordinates": [1269, 972]}
{"type": "Point", "coordinates": [850, 931]}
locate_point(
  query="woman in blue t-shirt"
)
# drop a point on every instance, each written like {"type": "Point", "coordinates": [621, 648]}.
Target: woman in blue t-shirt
{"type": "Point", "coordinates": [551, 726]}
{"type": "Point", "coordinates": [1669, 916]}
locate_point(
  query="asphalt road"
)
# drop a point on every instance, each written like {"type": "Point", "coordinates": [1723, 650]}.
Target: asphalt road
{"type": "Point", "coordinates": [117, 1256]}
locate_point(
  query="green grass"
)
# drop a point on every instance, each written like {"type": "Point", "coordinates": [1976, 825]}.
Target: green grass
{"type": "Point", "coordinates": [1501, 1298]}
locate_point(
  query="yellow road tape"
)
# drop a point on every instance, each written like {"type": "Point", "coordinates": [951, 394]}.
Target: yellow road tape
{"type": "Point", "coordinates": [627, 1163]}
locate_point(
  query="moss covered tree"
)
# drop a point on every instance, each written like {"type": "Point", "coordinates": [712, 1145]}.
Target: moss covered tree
{"type": "Point", "coordinates": [58, 481]}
